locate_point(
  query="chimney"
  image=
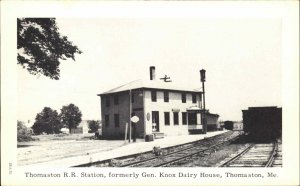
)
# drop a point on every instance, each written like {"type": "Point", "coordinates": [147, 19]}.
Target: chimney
{"type": "Point", "coordinates": [152, 73]}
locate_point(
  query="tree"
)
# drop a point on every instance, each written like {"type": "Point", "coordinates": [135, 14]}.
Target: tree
{"type": "Point", "coordinates": [71, 116]}
{"type": "Point", "coordinates": [40, 46]}
{"type": "Point", "coordinates": [93, 125]}
{"type": "Point", "coordinates": [23, 134]}
{"type": "Point", "coordinates": [47, 121]}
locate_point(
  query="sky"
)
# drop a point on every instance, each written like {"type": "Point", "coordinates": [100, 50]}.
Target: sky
{"type": "Point", "coordinates": [242, 59]}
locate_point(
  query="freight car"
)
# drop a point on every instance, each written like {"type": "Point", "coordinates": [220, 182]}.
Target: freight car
{"type": "Point", "coordinates": [262, 124]}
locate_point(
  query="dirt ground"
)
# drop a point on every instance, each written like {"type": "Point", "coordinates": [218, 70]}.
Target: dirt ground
{"type": "Point", "coordinates": [53, 147]}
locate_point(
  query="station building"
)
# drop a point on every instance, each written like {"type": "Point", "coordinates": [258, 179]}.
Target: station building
{"type": "Point", "coordinates": [238, 125]}
{"type": "Point", "coordinates": [163, 109]}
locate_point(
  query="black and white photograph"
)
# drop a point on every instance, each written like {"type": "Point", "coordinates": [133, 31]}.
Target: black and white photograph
{"type": "Point", "coordinates": [127, 92]}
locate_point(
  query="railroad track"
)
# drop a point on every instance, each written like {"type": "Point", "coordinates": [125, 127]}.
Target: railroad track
{"type": "Point", "coordinates": [254, 155]}
{"type": "Point", "coordinates": [182, 154]}
{"type": "Point", "coordinates": [278, 156]}
{"type": "Point", "coordinates": [168, 154]}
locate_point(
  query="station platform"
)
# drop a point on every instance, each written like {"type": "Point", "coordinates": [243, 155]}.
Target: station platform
{"type": "Point", "coordinates": [126, 149]}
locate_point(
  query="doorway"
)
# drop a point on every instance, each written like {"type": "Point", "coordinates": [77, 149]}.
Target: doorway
{"type": "Point", "coordinates": [192, 118]}
{"type": "Point", "coordinates": [155, 121]}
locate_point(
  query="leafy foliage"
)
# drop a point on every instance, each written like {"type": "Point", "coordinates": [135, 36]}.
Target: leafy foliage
{"type": "Point", "coordinates": [47, 121]}
{"type": "Point", "coordinates": [93, 125]}
{"type": "Point", "coordinates": [23, 134]}
{"type": "Point", "coordinates": [40, 46]}
{"type": "Point", "coordinates": [70, 116]}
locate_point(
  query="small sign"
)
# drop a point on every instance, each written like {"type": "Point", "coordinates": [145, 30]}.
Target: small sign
{"type": "Point", "coordinates": [135, 119]}
{"type": "Point", "coordinates": [148, 116]}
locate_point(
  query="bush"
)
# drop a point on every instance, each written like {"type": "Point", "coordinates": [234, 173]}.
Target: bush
{"type": "Point", "coordinates": [23, 133]}
{"type": "Point", "coordinates": [93, 125]}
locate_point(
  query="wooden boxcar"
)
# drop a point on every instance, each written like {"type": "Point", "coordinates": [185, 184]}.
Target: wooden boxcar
{"type": "Point", "coordinates": [263, 123]}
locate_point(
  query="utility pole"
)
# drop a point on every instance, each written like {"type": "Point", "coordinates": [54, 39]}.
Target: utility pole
{"type": "Point", "coordinates": [202, 76]}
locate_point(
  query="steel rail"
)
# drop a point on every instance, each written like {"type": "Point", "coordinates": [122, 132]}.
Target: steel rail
{"type": "Point", "coordinates": [242, 153]}
{"type": "Point", "coordinates": [272, 156]}
{"type": "Point", "coordinates": [186, 146]}
{"type": "Point", "coordinates": [195, 153]}
{"type": "Point", "coordinates": [237, 156]}
{"type": "Point", "coordinates": [198, 145]}
{"type": "Point", "coordinates": [150, 159]}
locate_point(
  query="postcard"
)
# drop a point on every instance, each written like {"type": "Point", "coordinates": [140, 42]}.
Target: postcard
{"type": "Point", "coordinates": [149, 93]}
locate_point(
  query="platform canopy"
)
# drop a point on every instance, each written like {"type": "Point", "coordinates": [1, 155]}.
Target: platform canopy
{"type": "Point", "coordinates": [194, 109]}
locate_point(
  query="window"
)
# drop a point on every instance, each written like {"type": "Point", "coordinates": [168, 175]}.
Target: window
{"type": "Point", "coordinates": [184, 121]}
{"type": "Point", "coordinates": [116, 99]}
{"type": "Point", "coordinates": [153, 96]}
{"type": "Point", "coordinates": [107, 101]}
{"type": "Point", "coordinates": [106, 120]}
{"type": "Point", "coordinates": [166, 96]}
{"type": "Point", "coordinates": [183, 97]}
{"type": "Point", "coordinates": [175, 114]}
{"type": "Point", "coordinates": [194, 98]}
{"type": "Point", "coordinates": [167, 118]}
{"type": "Point", "coordinates": [117, 121]}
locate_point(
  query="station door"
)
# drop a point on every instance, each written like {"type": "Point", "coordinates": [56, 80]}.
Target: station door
{"type": "Point", "coordinates": [155, 121]}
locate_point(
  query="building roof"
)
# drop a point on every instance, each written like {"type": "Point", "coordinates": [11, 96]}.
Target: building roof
{"type": "Point", "coordinates": [150, 84]}
{"type": "Point", "coordinates": [263, 108]}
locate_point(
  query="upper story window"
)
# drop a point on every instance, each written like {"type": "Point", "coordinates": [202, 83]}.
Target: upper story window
{"type": "Point", "coordinates": [107, 101]}
{"type": "Point", "coordinates": [153, 95]}
{"type": "Point", "coordinates": [117, 120]}
{"type": "Point", "coordinates": [116, 99]}
{"type": "Point", "coordinates": [166, 96]}
{"type": "Point", "coordinates": [176, 120]}
{"type": "Point", "coordinates": [106, 120]}
{"type": "Point", "coordinates": [183, 97]}
{"type": "Point", "coordinates": [167, 118]}
{"type": "Point", "coordinates": [194, 98]}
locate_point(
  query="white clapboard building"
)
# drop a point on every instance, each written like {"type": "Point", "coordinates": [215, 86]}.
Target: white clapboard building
{"type": "Point", "coordinates": [162, 108]}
